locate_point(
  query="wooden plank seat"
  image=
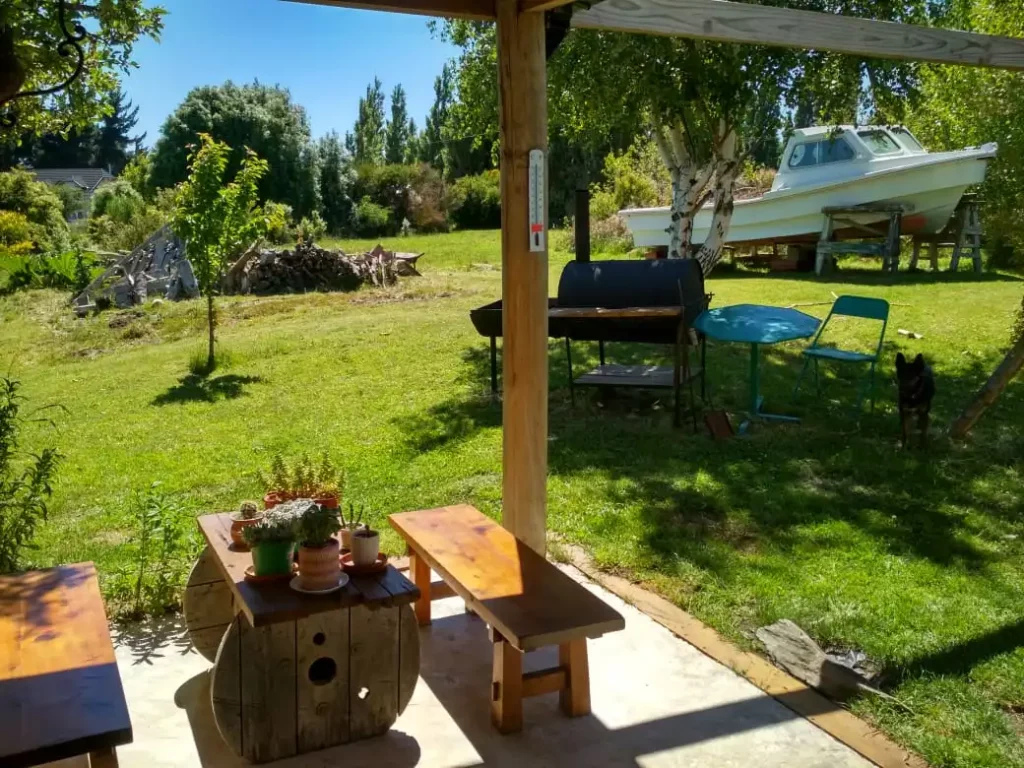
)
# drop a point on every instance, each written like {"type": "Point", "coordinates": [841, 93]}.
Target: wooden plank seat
{"type": "Point", "coordinates": [60, 690]}
{"type": "Point", "coordinates": [528, 603]}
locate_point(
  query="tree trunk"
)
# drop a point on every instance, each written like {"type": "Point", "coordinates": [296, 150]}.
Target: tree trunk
{"type": "Point", "coordinates": [988, 394]}
{"type": "Point", "coordinates": [688, 184]}
{"type": "Point", "coordinates": [727, 168]}
{"type": "Point", "coordinates": [211, 317]}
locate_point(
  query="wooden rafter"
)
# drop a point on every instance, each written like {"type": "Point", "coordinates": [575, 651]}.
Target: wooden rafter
{"type": "Point", "coordinates": [476, 10]}
{"type": "Point", "coordinates": [533, 6]}
{"type": "Point", "coordinates": [732, 22]}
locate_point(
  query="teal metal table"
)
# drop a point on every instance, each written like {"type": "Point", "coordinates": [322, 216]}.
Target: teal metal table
{"type": "Point", "coordinates": [755, 324]}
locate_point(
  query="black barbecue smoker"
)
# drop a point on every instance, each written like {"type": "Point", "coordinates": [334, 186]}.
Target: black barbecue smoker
{"type": "Point", "coordinates": [640, 301]}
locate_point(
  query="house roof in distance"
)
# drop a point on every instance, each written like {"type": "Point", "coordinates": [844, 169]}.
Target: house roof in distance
{"type": "Point", "coordinates": [83, 178]}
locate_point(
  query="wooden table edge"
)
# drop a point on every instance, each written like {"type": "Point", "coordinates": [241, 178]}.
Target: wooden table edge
{"type": "Point", "coordinates": [244, 607]}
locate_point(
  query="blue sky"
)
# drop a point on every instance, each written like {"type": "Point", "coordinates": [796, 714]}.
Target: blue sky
{"type": "Point", "coordinates": [324, 56]}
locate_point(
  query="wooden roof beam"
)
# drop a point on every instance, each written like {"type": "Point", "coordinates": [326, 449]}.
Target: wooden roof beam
{"type": "Point", "coordinates": [731, 22]}
{"type": "Point", "coordinates": [534, 6]}
{"type": "Point", "coordinates": [476, 10]}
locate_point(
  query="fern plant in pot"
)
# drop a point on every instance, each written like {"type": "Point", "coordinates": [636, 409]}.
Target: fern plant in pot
{"type": "Point", "coordinates": [319, 550]}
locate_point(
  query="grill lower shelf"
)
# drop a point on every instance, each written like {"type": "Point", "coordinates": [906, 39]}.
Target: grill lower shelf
{"type": "Point", "coordinates": [641, 376]}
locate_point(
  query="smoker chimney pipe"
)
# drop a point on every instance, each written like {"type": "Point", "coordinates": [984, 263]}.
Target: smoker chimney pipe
{"type": "Point", "coordinates": [582, 225]}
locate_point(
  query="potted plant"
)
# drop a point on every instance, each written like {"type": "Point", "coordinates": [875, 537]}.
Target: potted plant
{"type": "Point", "coordinates": [302, 480]}
{"type": "Point", "coordinates": [247, 514]}
{"type": "Point", "coordinates": [272, 540]}
{"type": "Point", "coordinates": [319, 550]}
{"type": "Point", "coordinates": [365, 547]}
{"type": "Point", "coordinates": [350, 525]}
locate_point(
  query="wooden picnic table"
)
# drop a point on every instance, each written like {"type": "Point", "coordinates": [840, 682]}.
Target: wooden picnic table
{"type": "Point", "coordinates": [60, 691]}
{"type": "Point", "coordinates": [295, 673]}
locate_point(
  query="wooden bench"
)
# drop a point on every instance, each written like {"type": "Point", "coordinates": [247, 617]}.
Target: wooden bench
{"type": "Point", "coordinates": [60, 691]}
{"type": "Point", "coordinates": [528, 603]}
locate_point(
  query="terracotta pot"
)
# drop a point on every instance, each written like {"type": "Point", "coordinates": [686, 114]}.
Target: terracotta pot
{"type": "Point", "coordinates": [320, 567]}
{"type": "Point", "coordinates": [272, 558]}
{"type": "Point", "coordinates": [365, 547]}
{"type": "Point", "coordinates": [271, 500]}
{"type": "Point", "coordinates": [237, 524]}
{"type": "Point", "coordinates": [328, 502]}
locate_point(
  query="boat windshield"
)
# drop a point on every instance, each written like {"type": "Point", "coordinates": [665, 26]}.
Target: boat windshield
{"type": "Point", "coordinates": [908, 139]}
{"type": "Point", "coordinates": [879, 142]}
{"type": "Point", "coordinates": [814, 153]}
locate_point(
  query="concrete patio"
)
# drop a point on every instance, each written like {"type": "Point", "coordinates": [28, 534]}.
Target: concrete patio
{"type": "Point", "coordinates": [657, 701]}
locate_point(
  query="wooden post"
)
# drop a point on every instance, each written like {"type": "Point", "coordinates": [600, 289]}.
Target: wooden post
{"type": "Point", "coordinates": [522, 80]}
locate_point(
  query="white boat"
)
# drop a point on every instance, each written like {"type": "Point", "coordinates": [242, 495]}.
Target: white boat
{"type": "Point", "coordinates": [823, 166]}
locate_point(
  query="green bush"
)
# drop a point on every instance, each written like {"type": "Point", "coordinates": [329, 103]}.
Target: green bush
{"type": "Point", "coordinates": [372, 220]}
{"type": "Point", "coordinates": [311, 228]}
{"type": "Point", "coordinates": [279, 222]}
{"type": "Point", "coordinates": [16, 233]}
{"type": "Point", "coordinates": [40, 204]}
{"type": "Point", "coordinates": [111, 234]}
{"type": "Point", "coordinates": [73, 200]}
{"type": "Point", "coordinates": [474, 202]}
{"type": "Point", "coordinates": [119, 200]}
{"type": "Point", "coordinates": [68, 271]}
{"type": "Point", "coordinates": [410, 193]}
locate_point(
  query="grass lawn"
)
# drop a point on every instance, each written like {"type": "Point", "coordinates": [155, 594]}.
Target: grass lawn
{"type": "Point", "coordinates": [914, 557]}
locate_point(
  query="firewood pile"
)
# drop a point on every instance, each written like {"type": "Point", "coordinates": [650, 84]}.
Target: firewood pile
{"type": "Point", "coordinates": [307, 267]}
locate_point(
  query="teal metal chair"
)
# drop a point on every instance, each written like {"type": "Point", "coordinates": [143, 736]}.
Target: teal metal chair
{"type": "Point", "coordinates": [848, 306]}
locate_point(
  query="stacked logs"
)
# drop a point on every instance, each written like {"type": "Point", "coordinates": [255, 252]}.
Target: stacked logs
{"type": "Point", "coordinates": [307, 267]}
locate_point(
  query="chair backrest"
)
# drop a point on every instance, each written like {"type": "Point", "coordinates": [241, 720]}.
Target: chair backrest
{"type": "Point", "coordinates": [861, 306]}
{"type": "Point", "coordinates": [858, 306]}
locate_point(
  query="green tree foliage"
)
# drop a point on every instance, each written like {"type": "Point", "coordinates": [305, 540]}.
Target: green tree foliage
{"type": "Point", "coordinates": [40, 204]}
{"type": "Point", "coordinates": [72, 198]}
{"type": "Point", "coordinates": [400, 133]}
{"type": "Point", "coordinates": [114, 141]}
{"type": "Point", "coordinates": [366, 142]}
{"type": "Point", "coordinates": [257, 116]}
{"type": "Point", "coordinates": [30, 58]}
{"type": "Point", "coordinates": [25, 479]}
{"type": "Point", "coordinates": [431, 147]}
{"type": "Point", "coordinates": [474, 202]}
{"type": "Point", "coordinates": [138, 173]}
{"type": "Point", "coordinates": [217, 220]}
{"type": "Point", "coordinates": [121, 219]}
{"type": "Point", "coordinates": [962, 106]}
{"type": "Point", "coordinates": [336, 180]}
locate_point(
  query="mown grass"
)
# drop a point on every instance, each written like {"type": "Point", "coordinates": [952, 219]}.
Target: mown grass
{"type": "Point", "coordinates": [914, 557]}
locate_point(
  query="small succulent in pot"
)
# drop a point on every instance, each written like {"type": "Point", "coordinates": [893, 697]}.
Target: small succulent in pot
{"type": "Point", "coordinates": [248, 514]}
{"type": "Point", "coordinates": [272, 540]}
{"type": "Point", "coordinates": [319, 550]}
{"type": "Point", "coordinates": [350, 525]}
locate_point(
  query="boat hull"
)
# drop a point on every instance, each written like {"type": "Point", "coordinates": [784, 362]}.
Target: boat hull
{"type": "Point", "coordinates": [930, 190]}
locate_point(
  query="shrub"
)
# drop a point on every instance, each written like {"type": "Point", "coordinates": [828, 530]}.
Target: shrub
{"type": "Point", "coordinates": [372, 220]}
{"type": "Point", "coordinates": [16, 232]}
{"type": "Point", "coordinates": [38, 203]}
{"type": "Point", "coordinates": [118, 199]}
{"type": "Point", "coordinates": [25, 479]}
{"type": "Point", "coordinates": [73, 200]}
{"type": "Point", "coordinates": [137, 173]}
{"type": "Point", "coordinates": [474, 202]}
{"type": "Point", "coordinates": [427, 202]}
{"type": "Point", "coordinates": [608, 235]}
{"type": "Point", "coordinates": [279, 222]}
{"type": "Point", "coordinates": [311, 228]}
{"type": "Point", "coordinates": [112, 234]}
{"type": "Point", "coordinates": [413, 193]}
{"type": "Point", "coordinates": [68, 271]}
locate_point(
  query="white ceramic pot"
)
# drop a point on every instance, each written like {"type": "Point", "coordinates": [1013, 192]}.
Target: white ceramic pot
{"type": "Point", "coordinates": [365, 547]}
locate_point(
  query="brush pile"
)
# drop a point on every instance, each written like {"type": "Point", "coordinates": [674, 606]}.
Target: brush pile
{"type": "Point", "coordinates": [307, 267]}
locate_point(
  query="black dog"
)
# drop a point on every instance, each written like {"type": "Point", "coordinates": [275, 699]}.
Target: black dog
{"type": "Point", "coordinates": [917, 388]}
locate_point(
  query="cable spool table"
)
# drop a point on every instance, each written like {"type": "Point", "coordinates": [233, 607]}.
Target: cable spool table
{"type": "Point", "coordinates": [296, 673]}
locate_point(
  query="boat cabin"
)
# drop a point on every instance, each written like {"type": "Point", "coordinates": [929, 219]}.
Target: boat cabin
{"type": "Point", "coordinates": [822, 153]}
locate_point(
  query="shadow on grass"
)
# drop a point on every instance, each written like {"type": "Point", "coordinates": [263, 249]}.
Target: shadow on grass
{"type": "Point", "coordinates": [713, 502]}
{"type": "Point", "coordinates": [960, 658]}
{"type": "Point", "coordinates": [195, 388]}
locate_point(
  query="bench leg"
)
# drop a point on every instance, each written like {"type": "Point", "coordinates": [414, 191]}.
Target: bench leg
{"type": "Point", "coordinates": [420, 572]}
{"type": "Point", "coordinates": [575, 697]}
{"type": "Point", "coordinates": [103, 758]}
{"type": "Point", "coordinates": [507, 688]}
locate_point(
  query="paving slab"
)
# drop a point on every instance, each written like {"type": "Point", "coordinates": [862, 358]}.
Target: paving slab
{"type": "Point", "coordinates": [657, 703]}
